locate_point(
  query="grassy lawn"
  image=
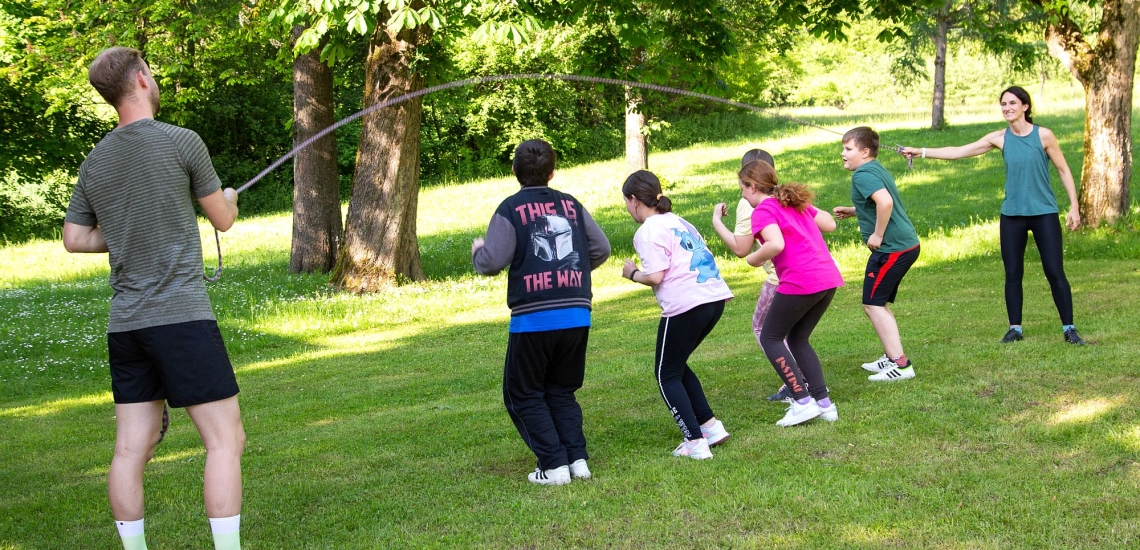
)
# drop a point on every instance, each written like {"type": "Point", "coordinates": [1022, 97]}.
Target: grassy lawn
{"type": "Point", "coordinates": [377, 421]}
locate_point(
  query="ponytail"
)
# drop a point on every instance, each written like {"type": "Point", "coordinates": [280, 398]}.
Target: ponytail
{"type": "Point", "coordinates": [760, 175]}
{"type": "Point", "coordinates": [793, 195]}
{"type": "Point", "coordinates": [645, 187]}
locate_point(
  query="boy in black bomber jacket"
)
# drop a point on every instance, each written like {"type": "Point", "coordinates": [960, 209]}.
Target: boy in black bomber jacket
{"type": "Point", "coordinates": [542, 234]}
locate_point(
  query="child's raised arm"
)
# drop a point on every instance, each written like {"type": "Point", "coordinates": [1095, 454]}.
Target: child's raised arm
{"type": "Point", "coordinates": [739, 245]}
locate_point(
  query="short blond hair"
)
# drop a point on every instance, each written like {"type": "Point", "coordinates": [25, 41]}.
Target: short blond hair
{"type": "Point", "coordinates": [111, 72]}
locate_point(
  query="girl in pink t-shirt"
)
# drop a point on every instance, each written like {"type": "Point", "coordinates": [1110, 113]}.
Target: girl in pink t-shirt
{"type": "Point", "coordinates": [789, 228]}
{"type": "Point", "coordinates": [678, 265]}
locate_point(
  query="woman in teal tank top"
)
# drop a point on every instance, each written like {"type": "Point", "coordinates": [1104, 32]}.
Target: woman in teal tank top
{"type": "Point", "coordinates": [1029, 204]}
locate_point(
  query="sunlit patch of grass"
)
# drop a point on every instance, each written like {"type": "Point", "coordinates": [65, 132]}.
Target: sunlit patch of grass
{"type": "Point", "coordinates": [1085, 410]}
{"type": "Point", "coordinates": [56, 406]}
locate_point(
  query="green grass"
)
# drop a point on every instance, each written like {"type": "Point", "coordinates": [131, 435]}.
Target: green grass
{"type": "Point", "coordinates": [376, 421]}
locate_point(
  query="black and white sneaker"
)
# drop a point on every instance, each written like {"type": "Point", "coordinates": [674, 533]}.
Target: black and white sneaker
{"type": "Point", "coordinates": [894, 373]}
{"type": "Point", "coordinates": [553, 476]}
{"type": "Point", "coordinates": [1073, 337]}
{"type": "Point", "coordinates": [878, 365]}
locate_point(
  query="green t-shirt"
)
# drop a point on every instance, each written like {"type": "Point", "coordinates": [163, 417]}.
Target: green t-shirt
{"type": "Point", "coordinates": [865, 181]}
{"type": "Point", "coordinates": [138, 186]}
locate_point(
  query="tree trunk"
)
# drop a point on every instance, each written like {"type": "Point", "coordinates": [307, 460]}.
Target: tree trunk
{"type": "Point", "coordinates": [1106, 69]}
{"type": "Point", "coordinates": [636, 150]}
{"type": "Point", "coordinates": [938, 105]}
{"type": "Point", "coordinates": [317, 230]}
{"type": "Point", "coordinates": [380, 246]}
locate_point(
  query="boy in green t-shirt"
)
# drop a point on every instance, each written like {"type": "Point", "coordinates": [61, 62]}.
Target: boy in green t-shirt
{"type": "Point", "coordinates": [890, 235]}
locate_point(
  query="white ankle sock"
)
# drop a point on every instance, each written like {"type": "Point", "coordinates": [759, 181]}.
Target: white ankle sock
{"type": "Point", "coordinates": [226, 532]}
{"type": "Point", "coordinates": [132, 534]}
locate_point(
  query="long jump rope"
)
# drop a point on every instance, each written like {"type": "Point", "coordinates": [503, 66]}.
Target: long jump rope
{"type": "Point", "coordinates": [496, 78]}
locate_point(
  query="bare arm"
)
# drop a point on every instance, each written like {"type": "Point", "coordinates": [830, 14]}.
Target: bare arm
{"type": "Point", "coordinates": [773, 245]}
{"type": "Point", "coordinates": [1053, 149]}
{"type": "Point", "coordinates": [843, 212]}
{"type": "Point", "coordinates": [824, 221]}
{"type": "Point", "coordinates": [884, 204]}
{"type": "Point", "coordinates": [989, 142]}
{"type": "Point", "coordinates": [83, 238]}
{"type": "Point", "coordinates": [220, 208]}
{"type": "Point", "coordinates": [630, 271]}
{"type": "Point", "coordinates": [739, 245]}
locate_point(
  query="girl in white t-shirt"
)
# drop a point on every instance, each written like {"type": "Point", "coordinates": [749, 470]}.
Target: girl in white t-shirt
{"type": "Point", "coordinates": [678, 265]}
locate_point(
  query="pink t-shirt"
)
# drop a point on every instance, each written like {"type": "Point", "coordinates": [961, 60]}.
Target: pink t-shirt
{"type": "Point", "coordinates": [805, 266]}
{"type": "Point", "coordinates": [666, 242]}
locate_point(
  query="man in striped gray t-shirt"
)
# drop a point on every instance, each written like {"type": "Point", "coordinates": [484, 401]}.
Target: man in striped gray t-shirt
{"type": "Point", "coordinates": [134, 199]}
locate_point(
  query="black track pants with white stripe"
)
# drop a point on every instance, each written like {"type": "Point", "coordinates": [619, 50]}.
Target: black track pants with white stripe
{"type": "Point", "coordinates": [540, 375]}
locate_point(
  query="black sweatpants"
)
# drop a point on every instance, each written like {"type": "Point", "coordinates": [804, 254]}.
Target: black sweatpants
{"type": "Point", "coordinates": [792, 318]}
{"type": "Point", "coordinates": [1046, 230]}
{"type": "Point", "coordinates": [677, 338]}
{"type": "Point", "coordinates": [541, 373]}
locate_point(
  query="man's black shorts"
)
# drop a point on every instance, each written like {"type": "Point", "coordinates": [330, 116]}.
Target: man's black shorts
{"type": "Point", "coordinates": [184, 363]}
{"type": "Point", "coordinates": [885, 270]}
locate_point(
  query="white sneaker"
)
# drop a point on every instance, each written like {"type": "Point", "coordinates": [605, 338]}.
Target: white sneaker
{"type": "Point", "coordinates": [553, 476]}
{"type": "Point", "coordinates": [798, 414]}
{"type": "Point", "coordinates": [579, 469]}
{"type": "Point", "coordinates": [879, 365]}
{"type": "Point", "coordinates": [715, 434]}
{"type": "Point", "coordinates": [830, 414]}
{"type": "Point", "coordinates": [697, 449]}
{"type": "Point", "coordinates": [893, 374]}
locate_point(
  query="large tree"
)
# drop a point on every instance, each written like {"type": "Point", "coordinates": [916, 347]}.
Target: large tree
{"type": "Point", "coordinates": [1103, 60]}
{"type": "Point", "coordinates": [380, 244]}
{"type": "Point", "coordinates": [317, 228]}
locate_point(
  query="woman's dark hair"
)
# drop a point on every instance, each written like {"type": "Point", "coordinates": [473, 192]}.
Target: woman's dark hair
{"type": "Point", "coordinates": [1022, 96]}
{"type": "Point", "coordinates": [645, 187]}
{"type": "Point", "coordinates": [533, 163]}
{"type": "Point", "coordinates": [760, 175]}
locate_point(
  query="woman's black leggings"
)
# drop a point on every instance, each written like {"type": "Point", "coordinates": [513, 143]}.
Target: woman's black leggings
{"type": "Point", "coordinates": [1046, 230]}
{"type": "Point", "coordinates": [793, 318]}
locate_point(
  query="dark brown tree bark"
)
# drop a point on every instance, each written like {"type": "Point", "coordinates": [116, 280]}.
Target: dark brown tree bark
{"type": "Point", "coordinates": [380, 245]}
{"type": "Point", "coordinates": [317, 229]}
{"type": "Point", "coordinates": [942, 30]}
{"type": "Point", "coordinates": [1106, 68]}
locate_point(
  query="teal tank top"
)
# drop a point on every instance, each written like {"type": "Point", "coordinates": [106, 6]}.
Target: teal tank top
{"type": "Point", "coordinates": [1027, 189]}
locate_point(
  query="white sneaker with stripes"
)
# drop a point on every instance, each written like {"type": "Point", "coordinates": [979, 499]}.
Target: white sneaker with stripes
{"type": "Point", "coordinates": [879, 365]}
{"type": "Point", "coordinates": [553, 476]}
{"type": "Point", "coordinates": [894, 374]}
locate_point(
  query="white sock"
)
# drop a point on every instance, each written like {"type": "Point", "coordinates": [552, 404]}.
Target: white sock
{"type": "Point", "coordinates": [132, 534]}
{"type": "Point", "coordinates": [226, 532]}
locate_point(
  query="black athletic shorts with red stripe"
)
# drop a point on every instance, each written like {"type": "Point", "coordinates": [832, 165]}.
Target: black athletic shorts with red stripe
{"type": "Point", "coordinates": [885, 271]}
